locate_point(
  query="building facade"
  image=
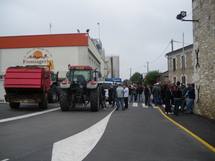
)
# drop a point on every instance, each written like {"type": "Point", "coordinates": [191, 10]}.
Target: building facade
{"type": "Point", "coordinates": [180, 65]}
{"type": "Point", "coordinates": [112, 66]}
{"type": "Point", "coordinates": [204, 56]}
{"type": "Point", "coordinates": [59, 50]}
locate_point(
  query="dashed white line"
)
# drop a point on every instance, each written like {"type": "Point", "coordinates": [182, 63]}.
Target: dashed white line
{"type": "Point", "coordinates": [5, 159]}
{"type": "Point", "coordinates": [78, 146]}
{"type": "Point", "coordinates": [28, 115]}
{"type": "Point", "coordinates": [135, 104]}
{"type": "Point", "coordinates": [144, 106]}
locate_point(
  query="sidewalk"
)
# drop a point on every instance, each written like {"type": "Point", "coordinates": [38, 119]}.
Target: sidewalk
{"type": "Point", "coordinates": [203, 127]}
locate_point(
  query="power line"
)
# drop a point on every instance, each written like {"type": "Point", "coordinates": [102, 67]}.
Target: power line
{"type": "Point", "coordinates": [163, 52]}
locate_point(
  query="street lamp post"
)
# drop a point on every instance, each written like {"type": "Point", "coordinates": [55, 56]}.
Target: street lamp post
{"type": "Point", "coordinates": [98, 29]}
{"type": "Point", "coordinates": [182, 15]}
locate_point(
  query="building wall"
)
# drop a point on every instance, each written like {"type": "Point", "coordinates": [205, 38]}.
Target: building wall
{"type": "Point", "coordinates": [116, 66]}
{"type": "Point", "coordinates": [179, 72]}
{"type": "Point", "coordinates": [112, 65]}
{"type": "Point", "coordinates": [204, 56]}
{"type": "Point", "coordinates": [62, 56]}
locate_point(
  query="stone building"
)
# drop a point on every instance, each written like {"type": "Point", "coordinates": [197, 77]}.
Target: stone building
{"type": "Point", "coordinates": [164, 77]}
{"type": "Point", "coordinates": [204, 56]}
{"type": "Point", "coordinates": [180, 66]}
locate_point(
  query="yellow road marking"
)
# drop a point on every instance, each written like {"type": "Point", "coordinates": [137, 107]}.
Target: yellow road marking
{"type": "Point", "coordinates": [206, 144]}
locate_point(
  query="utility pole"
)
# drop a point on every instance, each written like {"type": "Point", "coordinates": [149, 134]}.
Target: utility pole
{"type": "Point", "coordinates": [183, 54]}
{"type": "Point", "coordinates": [147, 64]}
{"type": "Point", "coordinates": [172, 47]}
{"type": "Point", "coordinates": [183, 42]}
{"type": "Point", "coordinates": [50, 28]}
{"type": "Point", "coordinates": [98, 30]}
{"type": "Point", "coordinates": [130, 72]}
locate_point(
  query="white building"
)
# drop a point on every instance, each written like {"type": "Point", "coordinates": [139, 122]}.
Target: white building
{"type": "Point", "coordinates": [112, 66]}
{"type": "Point", "coordinates": [59, 50]}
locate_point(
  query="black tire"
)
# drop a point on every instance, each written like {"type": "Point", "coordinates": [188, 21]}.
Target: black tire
{"type": "Point", "coordinates": [72, 101]}
{"type": "Point", "coordinates": [94, 100]}
{"type": "Point", "coordinates": [64, 102]}
{"type": "Point", "coordinates": [44, 102]}
{"type": "Point", "coordinates": [14, 105]}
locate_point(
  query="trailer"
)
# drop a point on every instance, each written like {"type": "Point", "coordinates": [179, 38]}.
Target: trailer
{"type": "Point", "coordinates": [29, 84]}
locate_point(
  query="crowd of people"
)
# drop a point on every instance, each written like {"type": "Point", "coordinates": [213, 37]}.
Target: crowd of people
{"type": "Point", "coordinates": [174, 97]}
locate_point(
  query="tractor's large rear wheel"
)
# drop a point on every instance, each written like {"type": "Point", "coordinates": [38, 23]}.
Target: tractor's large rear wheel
{"type": "Point", "coordinates": [64, 102]}
{"type": "Point", "coordinates": [94, 100]}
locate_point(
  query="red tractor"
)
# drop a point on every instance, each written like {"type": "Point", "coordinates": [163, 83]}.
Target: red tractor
{"type": "Point", "coordinates": [30, 84]}
{"type": "Point", "coordinates": [80, 87]}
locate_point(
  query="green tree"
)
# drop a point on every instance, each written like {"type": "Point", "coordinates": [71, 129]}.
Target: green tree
{"type": "Point", "coordinates": [151, 77]}
{"type": "Point", "coordinates": [136, 78]}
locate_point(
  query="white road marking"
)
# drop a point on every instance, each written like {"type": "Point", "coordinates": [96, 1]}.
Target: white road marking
{"type": "Point", "coordinates": [155, 107]}
{"type": "Point", "coordinates": [144, 106]}
{"type": "Point", "coordinates": [28, 115]}
{"type": "Point", "coordinates": [78, 146]}
{"type": "Point", "coordinates": [5, 159]}
{"type": "Point", "coordinates": [135, 104]}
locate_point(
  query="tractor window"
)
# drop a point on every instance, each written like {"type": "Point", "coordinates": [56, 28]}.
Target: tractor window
{"type": "Point", "coordinates": [82, 74]}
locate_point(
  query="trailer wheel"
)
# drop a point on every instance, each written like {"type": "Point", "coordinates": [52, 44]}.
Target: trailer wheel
{"type": "Point", "coordinates": [14, 105]}
{"type": "Point", "coordinates": [64, 101]}
{"type": "Point", "coordinates": [44, 102]}
{"type": "Point", "coordinates": [94, 100]}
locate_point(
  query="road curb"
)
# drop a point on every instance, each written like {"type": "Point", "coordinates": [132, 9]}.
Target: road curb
{"type": "Point", "coordinates": [202, 141]}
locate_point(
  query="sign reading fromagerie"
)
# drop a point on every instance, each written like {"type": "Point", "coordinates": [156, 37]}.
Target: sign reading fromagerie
{"type": "Point", "coordinates": [40, 57]}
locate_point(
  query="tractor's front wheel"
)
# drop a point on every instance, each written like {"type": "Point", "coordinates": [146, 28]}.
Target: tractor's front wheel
{"type": "Point", "coordinates": [64, 101]}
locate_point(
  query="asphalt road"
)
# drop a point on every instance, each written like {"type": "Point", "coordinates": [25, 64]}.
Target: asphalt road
{"type": "Point", "coordinates": [137, 134]}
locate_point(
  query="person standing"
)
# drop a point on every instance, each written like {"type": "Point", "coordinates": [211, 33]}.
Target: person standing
{"type": "Point", "coordinates": [114, 95]}
{"type": "Point", "coordinates": [131, 92]}
{"type": "Point", "coordinates": [177, 95]}
{"type": "Point", "coordinates": [120, 97]}
{"type": "Point", "coordinates": [167, 98]}
{"type": "Point", "coordinates": [139, 93]}
{"type": "Point", "coordinates": [183, 101]}
{"type": "Point", "coordinates": [156, 92]}
{"type": "Point", "coordinates": [110, 95]}
{"type": "Point", "coordinates": [126, 94]}
{"type": "Point", "coordinates": [147, 94]}
{"type": "Point", "coordinates": [190, 98]}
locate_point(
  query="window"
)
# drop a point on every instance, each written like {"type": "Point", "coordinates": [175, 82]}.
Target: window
{"type": "Point", "coordinates": [183, 79]}
{"type": "Point", "coordinates": [183, 62]}
{"type": "Point", "coordinates": [174, 64]}
{"type": "Point", "coordinates": [76, 74]}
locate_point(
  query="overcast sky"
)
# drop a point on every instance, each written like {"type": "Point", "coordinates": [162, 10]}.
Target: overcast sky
{"type": "Point", "coordinates": [136, 30]}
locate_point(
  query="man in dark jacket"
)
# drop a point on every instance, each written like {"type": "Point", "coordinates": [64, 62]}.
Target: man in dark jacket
{"type": "Point", "coordinates": [147, 94]}
{"type": "Point", "coordinates": [177, 95]}
{"type": "Point", "coordinates": [167, 97]}
{"type": "Point", "coordinates": [190, 98]}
